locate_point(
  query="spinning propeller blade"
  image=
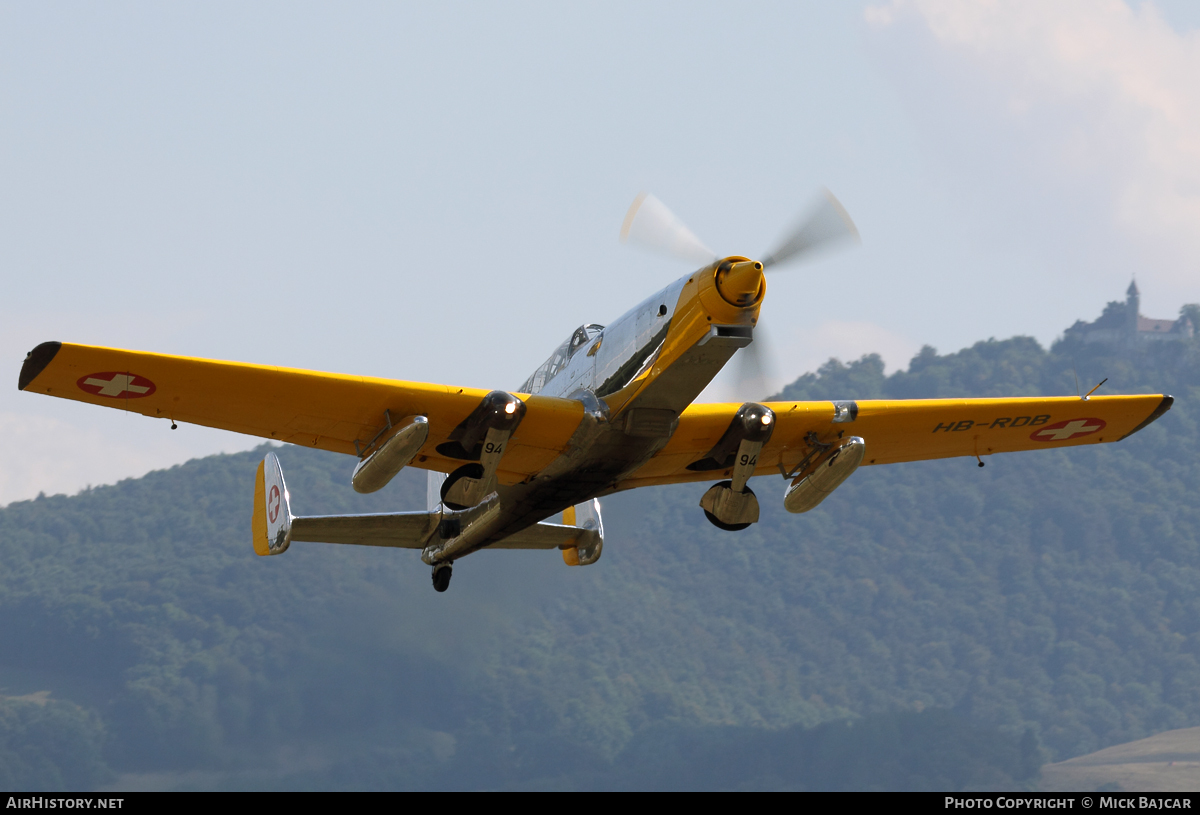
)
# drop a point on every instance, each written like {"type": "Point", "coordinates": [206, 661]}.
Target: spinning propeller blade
{"type": "Point", "coordinates": [755, 370]}
{"type": "Point", "coordinates": [827, 224]}
{"type": "Point", "coordinates": [651, 225]}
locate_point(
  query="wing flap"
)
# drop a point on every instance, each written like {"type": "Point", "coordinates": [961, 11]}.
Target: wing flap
{"type": "Point", "coordinates": [309, 408]}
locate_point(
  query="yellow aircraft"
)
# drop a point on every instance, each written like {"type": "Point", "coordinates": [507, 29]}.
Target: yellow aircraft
{"type": "Point", "coordinates": [610, 410]}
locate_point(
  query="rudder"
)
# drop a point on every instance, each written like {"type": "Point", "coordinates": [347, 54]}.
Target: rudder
{"type": "Point", "coordinates": [590, 541]}
{"type": "Point", "coordinates": [272, 524]}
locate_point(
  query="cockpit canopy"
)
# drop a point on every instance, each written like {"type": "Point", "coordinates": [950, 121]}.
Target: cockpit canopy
{"type": "Point", "coordinates": [561, 356]}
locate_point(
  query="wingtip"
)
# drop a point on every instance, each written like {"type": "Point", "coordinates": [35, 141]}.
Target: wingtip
{"type": "Point", "coordinates": [36, 362]}
{"type": "Point", "coordinates": [1162, 408]}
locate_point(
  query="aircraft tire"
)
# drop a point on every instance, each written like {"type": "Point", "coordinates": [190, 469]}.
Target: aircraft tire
{"type": "Point", "coordinates": [441, 577]}
{"type": "Point", "coordinates": [719, 524]}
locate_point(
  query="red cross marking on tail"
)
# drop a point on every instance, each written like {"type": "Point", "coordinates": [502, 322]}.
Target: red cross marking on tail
{"type": "Point", "coordinates": [273, 503]}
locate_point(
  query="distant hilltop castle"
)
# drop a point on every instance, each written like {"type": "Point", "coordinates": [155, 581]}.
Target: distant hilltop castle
{"type": "Point", "coordinates": [1123, 324]}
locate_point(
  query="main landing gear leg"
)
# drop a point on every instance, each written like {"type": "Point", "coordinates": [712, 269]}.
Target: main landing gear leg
{"type": "Point", "coordinates": [441, 576]}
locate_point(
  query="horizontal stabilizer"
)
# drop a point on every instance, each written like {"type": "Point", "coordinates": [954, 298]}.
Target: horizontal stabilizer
{"type": "Point", "coordinates": [275, 528]}
{"type": "Point", "coordinates": [402, 530]}
{"type": "Point", "coordinates": [540, 536]}
{"type": "Point", "coordinates": [414, 530]}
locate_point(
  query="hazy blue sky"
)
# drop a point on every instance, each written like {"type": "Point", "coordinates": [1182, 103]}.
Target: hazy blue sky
{"type": "Point", "coordinates": [433, 192]}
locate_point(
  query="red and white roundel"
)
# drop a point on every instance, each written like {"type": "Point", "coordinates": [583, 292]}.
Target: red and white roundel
{"type": "Point", "coordinates": [1070, 429]}
{"type": "Point", "coordinates": [116, 385]}
{"type": "Point", "coordinates": [273, 504]}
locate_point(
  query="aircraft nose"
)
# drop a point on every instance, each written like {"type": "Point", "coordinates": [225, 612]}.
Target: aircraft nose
{"type": "Point", "coordinates": [740, 283]}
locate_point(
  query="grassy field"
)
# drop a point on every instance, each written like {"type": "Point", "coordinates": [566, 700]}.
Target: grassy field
{"type": "Point", "coordinates": [1168, 762]}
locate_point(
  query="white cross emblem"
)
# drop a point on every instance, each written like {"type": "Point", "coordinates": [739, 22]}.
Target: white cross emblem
{"type": "Point", "coordinates": [1069, 430]}
{"type": "Point", "coordinates": [273, 503]}
{"type": "Point", "coordinates": [119, 384]}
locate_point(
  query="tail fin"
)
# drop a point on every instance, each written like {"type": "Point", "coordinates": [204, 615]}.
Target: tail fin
{"type": "Point", "coordinates": [590, 542]}
{"type": "Point", "coordinates": [272, 509]}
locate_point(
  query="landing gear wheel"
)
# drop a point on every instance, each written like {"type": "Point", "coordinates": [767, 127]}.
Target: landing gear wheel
{"type": "Point", "coordinates": [717, 522]}
{"type": "Point", "coordinates": [441, 576]}
{"type": "Point", "coordinates": [722, 525]}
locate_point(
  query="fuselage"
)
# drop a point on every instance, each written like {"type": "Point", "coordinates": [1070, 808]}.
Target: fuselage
{"type": "Point", "coordinates": [633, 377]}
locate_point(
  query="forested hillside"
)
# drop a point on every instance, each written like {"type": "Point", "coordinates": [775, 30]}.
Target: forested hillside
{"type": "Point", "coordinates": [931, 625]}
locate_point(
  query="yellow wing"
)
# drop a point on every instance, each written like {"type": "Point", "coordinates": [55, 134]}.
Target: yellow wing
{"type": "Point", "coordinates": [329, 411]}
{"type": "Point", "coordinates": [343, 413]}
{"type": "Point", "coordinates": [905, 430]}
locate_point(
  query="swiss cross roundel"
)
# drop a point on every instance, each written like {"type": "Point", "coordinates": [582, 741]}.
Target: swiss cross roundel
{"type": "Point", "coordinates": [1070, 429]}
{"type": "Point", "coordinates": [116, 385]}
{"type": "Point", "coordinates": [273, 504]}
